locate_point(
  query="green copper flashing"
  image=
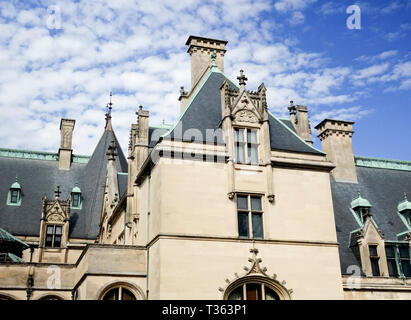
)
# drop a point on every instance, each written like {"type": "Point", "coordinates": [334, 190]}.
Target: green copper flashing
{"type": "Point", "coordinates": [404, 204]}
{"type": "Point", "coordinates": [39, 155]}
{"type": "Point", "coordinates": [15, 258]}
{"type": "Point", "coordinates": [76, 188]}
{"type": "Point", "coordinates": [360, 202]}
{"type": "Point", "coordinates": [8, 237]}
{"type": "Point", "coordinates": [382, 163]}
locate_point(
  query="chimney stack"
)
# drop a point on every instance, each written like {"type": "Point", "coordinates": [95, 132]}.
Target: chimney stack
{"type": "Point", "coordinates": [200, 50]}
{"type": "Point", "coordinates": [299, 118]}
{"type": "Point", "coordinates": [336, 140]}
{"type": "Point", "coordinates": [65, 150]}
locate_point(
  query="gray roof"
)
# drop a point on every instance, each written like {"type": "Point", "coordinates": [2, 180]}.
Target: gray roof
{"type": "Point", "coordinates": [204, 113]}
{"type": "Point", "coordinates": [40, 177]}
{"type": "Point", "coordinates": [384, 189]}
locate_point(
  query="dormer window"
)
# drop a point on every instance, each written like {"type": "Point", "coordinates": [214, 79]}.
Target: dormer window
{"type": "Point", "coordinates": [246, 146]}
{"type": "Point", "coordinates": [14, 195]}
{"type": "Point", "coordinates": [404, 208]}
{"type": "Point", "coordinates": [76, 198]}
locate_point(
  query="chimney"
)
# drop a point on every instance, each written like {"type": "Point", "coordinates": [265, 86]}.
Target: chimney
{"type": "Point", "coordinates": [336, 140]}
{"type": "Point", "coordinates": [200, 50]}
{"type": "Point", "coordinates": [299, 118]}
{"type": "Point", "coordinates": [141, 140]}
{"type": "Point", "coordinates": [65, 150]}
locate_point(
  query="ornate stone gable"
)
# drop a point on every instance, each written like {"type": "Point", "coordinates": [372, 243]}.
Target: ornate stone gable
{"type": "Point", "coordinates": [56, 210]}
{"type": "Point", "coordinates": [242, 106]}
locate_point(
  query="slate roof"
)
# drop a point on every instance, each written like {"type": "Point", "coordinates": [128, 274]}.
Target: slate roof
{"type": "Point", "coordinates": [384, 189]}
{"type": "Point", "coordinates": [204, 112]}
{"type": "Point", "coordinates": [40, 177]}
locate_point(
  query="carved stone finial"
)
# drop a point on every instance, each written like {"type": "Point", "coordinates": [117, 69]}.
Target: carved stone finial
{"type": "Point", "coordinates": [242, 78]}
{"type": "Point", "coordinates": [292, 108]}
{"type": "Point", "coordinates": [112, 151]}
{"type": "Point", "coordinates": [57, 192]}
{"type": "Point", "coordinates": [213, 57]}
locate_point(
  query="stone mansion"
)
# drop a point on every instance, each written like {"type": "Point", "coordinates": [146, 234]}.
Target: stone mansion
{"type": "Point", "coordinates": [230, 202]}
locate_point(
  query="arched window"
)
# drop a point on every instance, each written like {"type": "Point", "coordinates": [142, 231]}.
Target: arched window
{"type": "Point", "coordinates": [256, 288]}
{"type": "Point", "coordinates": [253, 291]}
{"type": "Point", "coordinates": [119, 293]}
{"type": "Point", "coordinates": [51, 297]}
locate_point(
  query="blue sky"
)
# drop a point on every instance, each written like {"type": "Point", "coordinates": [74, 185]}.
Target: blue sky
{"type": "Point", "coordinates": [61, 59]}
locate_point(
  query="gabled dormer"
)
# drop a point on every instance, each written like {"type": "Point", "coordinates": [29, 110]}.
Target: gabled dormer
{"type": "Point", "coordinates": [369, 242]}
{"type": "Point", "coordinates": [245, 122]}
{"type": "Point", "coordinates": [54, 226]}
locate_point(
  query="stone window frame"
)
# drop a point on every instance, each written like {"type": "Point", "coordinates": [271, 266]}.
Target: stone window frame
{"type": "Point", "coordinates": [54, 225]}
{"type": "Point", "coordinates": [281, 292]}
{"type": "Point", "coordinates": [133, 288]}
{"type": "Point", "coordinates": [246, 143]}
{"type": "Point", "coordinates": [250, 211]}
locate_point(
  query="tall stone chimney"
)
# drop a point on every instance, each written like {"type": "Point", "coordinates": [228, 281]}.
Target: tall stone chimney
{"type": "Point", "coordinates": [65, 150]}
{"type": "Point", "coordinates": [336, 139]}
{"type": "Point", "coordinates": [200, 50]}
{"type": "Point", "coordinates": [299, 118]}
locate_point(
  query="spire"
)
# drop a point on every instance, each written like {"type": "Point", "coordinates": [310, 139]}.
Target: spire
{"type": "Point", "coordinates": [112, 151]}
{"type": "Point", "coordinates": [108, 126]}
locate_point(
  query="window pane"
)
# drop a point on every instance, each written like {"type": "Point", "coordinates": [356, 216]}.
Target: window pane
{"type": "Point", "coordinates": [49, 241]}
{"type": "Point", "coordinates": [49, 230]}
{"type": "Point", "coordinates": [242, 202]}
{"type": "Point", "coordinates": [253, 154]}
{"type": "Point", "coordinates": [14, 196]}
{"type": "Point", "coordinates": [392, 268]}
{"type": "Point", "coordinates": [270, 294]}
{"type": "Point", "coordinates": [57, 241]}
{"type": "Point", "coordinates": [58, 230]}
{"type": "Point", "coordinates": [404, 251]}
{"type": "Point", "coordinates": [76, 198]}
{"type": "Point", "coordinates": [389, 251]}
{"type": "Point", "coordinates": [236, 294]}
{"type": "Point", "coordinates": [251, 136]}
{"type": "Point", "coordinates": [253, 291]}
{"type": "Point", "coordinates": [255, 203]}
{"type": "Point", "coordinates": [239, 153]}
{"type": "Point", "coordinates": [375, 267]}
{"type": "Point", "coordinates": [373, 251]}
{"type": "Point", "coordinates": [239, 135]}
{"type": "Point", "coordinates": [127, 295]}
{"type": "Point", "coordinates": [257, 221]}
{"type": "Point", "coordinates": [111, 295]}
{"type": "Point", "coordinates": [406, 268]}
{"type": "Point", "coordinates": [243, 224]}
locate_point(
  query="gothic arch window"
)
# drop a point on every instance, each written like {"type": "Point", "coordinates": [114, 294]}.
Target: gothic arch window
{"type": "Point", "coordinates": [120, 291]}
{"type": "Point", "coordinates": [51, 297]}
{"type": "Point", "coordinates": [6, 297]}
{"type": "Point", "coordinates": [256, 288]}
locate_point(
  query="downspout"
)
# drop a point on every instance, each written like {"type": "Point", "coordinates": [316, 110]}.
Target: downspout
{"type": "Point", "coordinates": [148, 231]}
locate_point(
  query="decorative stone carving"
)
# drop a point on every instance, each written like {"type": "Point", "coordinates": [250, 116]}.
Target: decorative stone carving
{"type": "Point", "coordinates": [246, 116]}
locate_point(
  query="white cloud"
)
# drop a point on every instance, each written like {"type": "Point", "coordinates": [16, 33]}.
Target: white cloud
{"type": "Point", "coordinates": [371, 71]}
{"type": "Point", "coordinates": [291, 5]}
{"type": "Point", "coordinates": [136, 49]}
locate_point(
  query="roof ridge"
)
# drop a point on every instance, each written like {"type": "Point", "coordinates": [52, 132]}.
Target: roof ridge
{"type": "Point", "coordinates": [38, 155]}
{"type": "Point", "coordinates": [381, 163]}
